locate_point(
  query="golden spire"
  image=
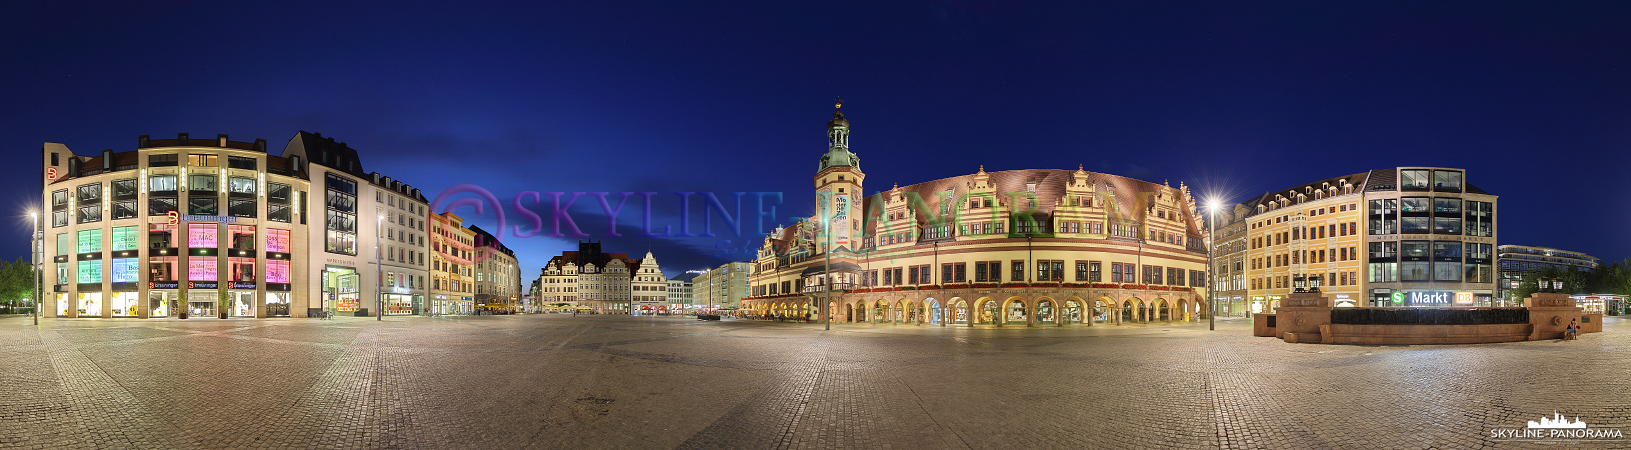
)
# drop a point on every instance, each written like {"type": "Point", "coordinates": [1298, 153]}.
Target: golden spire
{"type": "Point", "coordinates": [840, 103]}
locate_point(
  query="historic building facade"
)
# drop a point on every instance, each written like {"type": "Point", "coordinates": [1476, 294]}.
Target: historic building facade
{"type": "Point", "coordinates": [215, 227]}
{"type": "Point", "coordinates": [1007, 248]}
{"type": "Point", "coordinates": [595, 281]}
{"type": "Point", "coordinates": [1407, 236]}
{"type": "Point", "coordinates": [498, 280]}
{"type": "Point", "coordinates": [452, 271]}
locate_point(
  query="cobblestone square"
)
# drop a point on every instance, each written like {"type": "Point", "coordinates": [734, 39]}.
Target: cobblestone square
{"type": "Point", "coordinates": [558, 381]}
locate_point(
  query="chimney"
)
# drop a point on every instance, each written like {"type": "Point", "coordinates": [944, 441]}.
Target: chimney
{"type": "Point", "coordinates": [143, 142]}
{"type": "Point", "coordinates": [260, 145]}
{"type": "Point", "coordinates": [221, 140]}
{"type": "Point", "coordinates": [181, 139]}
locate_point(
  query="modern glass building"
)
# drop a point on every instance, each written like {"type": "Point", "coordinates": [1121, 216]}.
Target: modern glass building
{"type": "Point", "coordinates": [214, 227]}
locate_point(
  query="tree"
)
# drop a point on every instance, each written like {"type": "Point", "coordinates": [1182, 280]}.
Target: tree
{"type": "Point", "coordinates": [16, 282]}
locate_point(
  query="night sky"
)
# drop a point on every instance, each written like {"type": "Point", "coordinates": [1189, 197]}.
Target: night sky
{"type": "Point", "coordinates": [1532, 98]}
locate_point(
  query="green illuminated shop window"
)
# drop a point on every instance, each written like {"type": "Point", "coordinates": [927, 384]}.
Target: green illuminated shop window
{"type": "Point", "coordinates": [65, 244]}
{"type": "Point", "coordinates": [90, 241]}
{"type": "Point", "coordinates": [90, 271]}
{"type": "Point", "coordinates": [124, 238]}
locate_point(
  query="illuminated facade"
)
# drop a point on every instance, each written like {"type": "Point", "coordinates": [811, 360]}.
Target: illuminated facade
{"type": "Point", "coordinates": [1034, 247]}
{"type": "Point", "coordinates": [590, 280]}
{"type": "Point", "coordinates": [1408, 236]}
{"type": "Point", "coordinates": [452, 265]}
{"type": "Point", "coordinates": [213, 226]}
{"type": "Point", "coordinates": [498, 280]}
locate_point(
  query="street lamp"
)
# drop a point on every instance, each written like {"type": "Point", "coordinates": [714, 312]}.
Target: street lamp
{"type": "Point", "coordinates": [379, 273]}
{"type": "Point", "coordinates": [1211, 263]}
{"type": "Point", "coordinates": [34, 257]}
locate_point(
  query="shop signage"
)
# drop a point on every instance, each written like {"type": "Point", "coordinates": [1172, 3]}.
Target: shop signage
{"type": "Point", "coordinates": [221, 219]}
{"type": "Point", "coordinates": [203, 285]}
{"type": "Point", "coordinates": [172, 218]}
{"type": "Point", "coordinates": [1426, 298]}
{"type": "Point", "coordinates": [1463, 298]}
{"type": "Point", "coordinates": [51, 173]}
{"type": "Point", "coordinates": [237, 285]}
{"type": "Point", "coordinates": [163, 284]}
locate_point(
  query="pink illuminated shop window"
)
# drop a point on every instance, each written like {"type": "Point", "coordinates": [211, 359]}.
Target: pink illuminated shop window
{"type": "Point", "coordinates": [201, 268]}
{"type": "Point", "coordinates": [277, 271]}
{"type": "Point", "coordinates": [243, 269]}
{"type": "Point", "coordinates": [202, 235]}
{"type": "Point", "coordinates": [277, 241]}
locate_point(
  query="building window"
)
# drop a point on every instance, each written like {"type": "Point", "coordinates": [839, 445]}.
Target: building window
{"type": "Point", "coordinates": [240, 187]}
{"type": "Point", "coordinates": [1447, 180]}
{"type": "Point", "coordinates": [203, 206]}
{"type": "Point", "coordinates": [197, 160]}
{"type": "Point", "coordinates": [89, 241]}
{"type": "Point", "coordinates": [239, 162]}
{"type": "Point", "coordinates": [341, 222]}
{"type": "Point", "coordinates": [202, 183]}
{"type": "Point", "coordinates": [1414, 271]}
{"type": "Point", "coordinates": [168, 160]}
{"type": "Point", "coordinates": [1093, 274]}
{"type": "Point", "coordinates": [1415, 179]}
{"type": "Point", "coordinates": [1081, 271]}
{"type": "Point", "coordinates": [1018, 271]}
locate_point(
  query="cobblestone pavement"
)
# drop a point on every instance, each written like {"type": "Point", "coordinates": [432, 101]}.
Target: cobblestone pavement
{"type": "Point", "coordinates": [557, 381]}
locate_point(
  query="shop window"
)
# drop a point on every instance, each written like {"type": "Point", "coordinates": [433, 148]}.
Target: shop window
{"type": "Point", "coordinates": [89, 272]}
{"type": "Point", "coordinates": [125, 238]}
{"type": "Point", "coordinates": [89, 241]}
{"type": "Point", "coordinates": [242, 269]}
{"type": "Point", "coordinates": [126, 270]}
{"type": "Point", "coordinates": [201, 268]}
{"type": "Point", "coordinates": [202, 235]}
{"type": "Point", "coordinates": [277, 241]}
{"type": "Point", "coordinates": [161, 236]}
{"type": "Point", "coordinates": [277, 271]}
{"type": "Point", "coordinates": [241, 237]}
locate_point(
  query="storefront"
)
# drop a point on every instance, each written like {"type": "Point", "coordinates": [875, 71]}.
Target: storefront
{"type": "Point", "coordinates": [126, 304]}
{"type": "Point", "coordinates": [90, 304]}
{"type": "Point", "coordinates": [398, 304]}
{"type": "Point", "coordinates": [161, 299]}
{"type": "Point", "coordinates": [340, 289]}
{"type": "Point", "coordinates": [277, 304]}
{"type": "Point", "coordinates": [203, 302]}
{"type": "Point", "coordinates": [242, 302]}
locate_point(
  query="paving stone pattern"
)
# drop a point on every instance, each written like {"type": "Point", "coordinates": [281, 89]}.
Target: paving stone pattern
{"type": "Point", "coordinates": [557, 381]}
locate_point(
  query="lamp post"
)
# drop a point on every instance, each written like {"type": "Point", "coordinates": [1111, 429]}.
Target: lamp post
{"type": "Point", "coordinates": [1212, 264]}
{"type": "Point", "coordinates": [379, 273]}
{"type": "Point", "coordinates": [34, 257]}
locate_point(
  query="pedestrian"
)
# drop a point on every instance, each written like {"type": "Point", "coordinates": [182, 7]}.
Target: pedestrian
{"type": "Point", "coordinates": [1572, 332]}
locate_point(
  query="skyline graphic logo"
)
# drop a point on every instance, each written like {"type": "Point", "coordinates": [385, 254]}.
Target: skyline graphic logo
{"type": "Point", "coordinates": [1557, 421]}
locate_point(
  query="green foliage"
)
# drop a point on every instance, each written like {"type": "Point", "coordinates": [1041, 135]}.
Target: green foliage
{"type": "Point", "coordinates": [16, 282]}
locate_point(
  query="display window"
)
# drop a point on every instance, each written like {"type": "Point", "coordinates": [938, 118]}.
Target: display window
{"type": "Point", "coordinates": [202, 235]}
{"type": "Point", "coordinates": [124, 238]}
{"type": "Point", "coordinates": [90, 272]}
{"type": "Point", "coordinates": [125, 304]}
{"type": "Point", "coordinates": [90, 241]}
{"type": "Point", "coordinates": [201, 268]}
{"type": "Point", "coordinates": [277, 241]}
{"type": "Point", "coordinates": [277, 271]}
{"type": "Point", "coordinates": [242, 237]}
{"type": "Point", "coordinates": [126, 270]}
{"type": "Point", "coordinates": [90, 304]}
{"type": "Point", "coordinates": [242, 269]}
{"type": "Point", "coordinates": [161, 235]}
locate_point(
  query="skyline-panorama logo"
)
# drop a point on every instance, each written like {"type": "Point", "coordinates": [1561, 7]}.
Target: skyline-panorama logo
{"type": "Point", "coordinates": [1556, 428]}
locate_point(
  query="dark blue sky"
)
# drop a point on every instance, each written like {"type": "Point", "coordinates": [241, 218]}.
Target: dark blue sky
{"type": "Point", "coordinates": [1531, 98]}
